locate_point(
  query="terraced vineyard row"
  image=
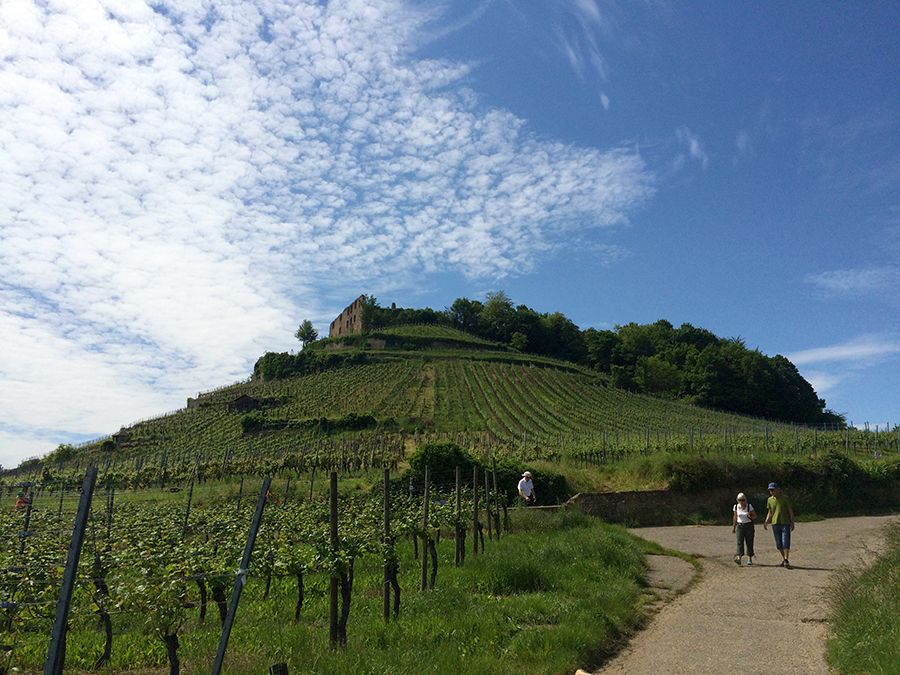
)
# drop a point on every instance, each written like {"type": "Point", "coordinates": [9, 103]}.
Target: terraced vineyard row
{"type": "Point", "coordinates": [505, 406]}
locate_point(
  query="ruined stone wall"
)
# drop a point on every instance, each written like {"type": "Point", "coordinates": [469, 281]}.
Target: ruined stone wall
{"type": "Point", "coordinates": [348, 321]}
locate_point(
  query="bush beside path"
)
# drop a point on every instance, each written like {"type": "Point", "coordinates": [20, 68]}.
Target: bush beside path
{"type": "Point", "coordinates": [749, 620]}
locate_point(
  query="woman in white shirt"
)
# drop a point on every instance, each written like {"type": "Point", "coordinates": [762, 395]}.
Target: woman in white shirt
{"type": "Point", "coordinates": [742, 526]}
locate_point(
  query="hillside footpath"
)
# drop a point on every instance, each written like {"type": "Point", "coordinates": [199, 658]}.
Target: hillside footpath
{"type": "Point", "coordinates": [747, 620]}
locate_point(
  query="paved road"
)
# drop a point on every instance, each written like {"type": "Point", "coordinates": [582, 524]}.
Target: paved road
{"type": "Point", "coordinates": [744, 620]}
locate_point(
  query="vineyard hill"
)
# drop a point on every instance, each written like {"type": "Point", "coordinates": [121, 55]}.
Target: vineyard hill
{"type": "Point", "coordinates": [416, 380]}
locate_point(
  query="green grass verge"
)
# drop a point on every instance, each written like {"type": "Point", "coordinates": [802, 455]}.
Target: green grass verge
{"type": "Point", "coordinates": [865, 636]}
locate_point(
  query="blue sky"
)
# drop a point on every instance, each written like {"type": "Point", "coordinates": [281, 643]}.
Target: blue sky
{"type": "Point", "coordinates": [182, 183]}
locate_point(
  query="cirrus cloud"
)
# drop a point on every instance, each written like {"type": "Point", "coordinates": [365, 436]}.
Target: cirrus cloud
{"type": "Point", "coordinates": [181, 180]}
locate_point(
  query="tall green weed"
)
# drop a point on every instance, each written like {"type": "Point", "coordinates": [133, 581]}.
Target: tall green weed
{"type": "Point", "coordinates": [865, 626]}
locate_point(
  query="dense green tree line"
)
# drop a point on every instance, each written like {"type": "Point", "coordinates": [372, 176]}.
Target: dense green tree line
{"type": "Point", "coordinates": [687, 363]}
{"type": "Point", "coordinates": [694, 365]}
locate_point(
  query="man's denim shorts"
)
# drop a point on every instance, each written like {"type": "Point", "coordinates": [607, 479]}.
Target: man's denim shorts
{"type": "Point", "coordinates": [782, 536]}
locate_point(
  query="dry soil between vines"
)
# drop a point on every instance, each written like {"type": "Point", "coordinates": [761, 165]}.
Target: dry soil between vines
{"type": "Point", "coordinates": [745, 620]}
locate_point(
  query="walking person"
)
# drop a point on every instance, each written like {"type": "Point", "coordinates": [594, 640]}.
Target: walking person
{"type": "Point", "coordinates": [781, 515]}
{"type": "Point", "coordinates": [742, 526]}
{"type": "Point", "coordinates": [526, 489]}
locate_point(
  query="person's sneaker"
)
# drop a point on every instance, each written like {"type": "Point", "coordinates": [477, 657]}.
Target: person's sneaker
{"type": "Point", "coordinates": [749, 562]}
{"type": "Point", "coordinates": [783, 563]}
{"type": "Point", "coordinates": [737, 559]}
{"type": "Point", "coordinates": [787, 564]}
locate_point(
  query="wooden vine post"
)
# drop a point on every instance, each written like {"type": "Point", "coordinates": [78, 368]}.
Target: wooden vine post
{"type": "Point", "coordinates": [460, 537]}
{"type": "Point", "coordinates": [497, 493]}
{"type": "Point", "coordinates": [387, 545]}
{"type": "Point", "coordinates": [475, 510]}
{"type": "Point", "coordinates": [425, 531]}
{"type": "Point", "coordinates": [241, 577]}
{"type": "Point", "coordinates": [487, 505]}
{"type": "Point", "coordinates": [27, 523]}
{"type": "Point", "coordinates": [57, 649]}
{"type": "Point", "coordinates": [333, 640]}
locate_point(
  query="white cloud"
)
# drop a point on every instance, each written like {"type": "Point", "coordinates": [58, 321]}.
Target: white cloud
{"type": "Point", "coordinates": [578, 27]}
{"type": "Point", "coordinates": [692, 142]}
{"type": "Point", "coordinates": [180, 183]}
{"type": "Point", "coordinates": [822, 382]}
{"type": "Point", "coordinates": [744, 145]}
{"type": "Point", "coordinates": [860, 365]}
{"type": "Point", "coordinates": [872, 280]}
{"type": "Point", "coordinates": [864, 350]}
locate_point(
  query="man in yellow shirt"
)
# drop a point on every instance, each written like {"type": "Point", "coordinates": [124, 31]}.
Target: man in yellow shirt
{"type": "Point", "coordinates": [781, 515]}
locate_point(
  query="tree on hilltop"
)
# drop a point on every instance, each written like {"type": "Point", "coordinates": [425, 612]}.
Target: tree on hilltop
{"type": "Point", "coordinates": [306, 333]}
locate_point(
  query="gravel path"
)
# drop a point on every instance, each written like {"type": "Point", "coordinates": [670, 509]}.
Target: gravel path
{"type": "Point", "coordinates": [745, 620]}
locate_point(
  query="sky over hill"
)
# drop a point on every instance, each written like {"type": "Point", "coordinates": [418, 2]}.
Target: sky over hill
{"type": "Point", "coordinates": [182, 183]}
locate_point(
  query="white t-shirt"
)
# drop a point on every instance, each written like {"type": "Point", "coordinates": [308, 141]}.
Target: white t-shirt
{"type": "Point", "coordinates": [743, 514]}
{"type": "Point", "coordinates": [526, 486]}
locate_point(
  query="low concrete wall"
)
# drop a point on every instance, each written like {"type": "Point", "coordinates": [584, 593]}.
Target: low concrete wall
{"type": "Point", "coordinates": [662, 507]}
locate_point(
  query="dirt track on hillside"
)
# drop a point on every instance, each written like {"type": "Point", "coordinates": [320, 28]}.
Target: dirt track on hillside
{"type": "Point", "coordinates": [745, 620]}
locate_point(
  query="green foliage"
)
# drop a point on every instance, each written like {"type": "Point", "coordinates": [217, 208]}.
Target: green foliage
{"type": "Point", "coordinates": [496, 320]}
{"type": "Point", "coordinates": [828, 484]}
{"type": "Point", "coordinates": [465, 315]}
{"type": "Point", "coordinates": [252, 422]}
{"type": "Point", "coordinates": [373, 316]}
{"type": "Point", "coordinates": [551, 487]}
{"type": "Point", "coordinates": [411, 338]}
{"type": "Point", "coordinates": [350, 422]}
{"type": "Point", "coordinates": [694, 365]}
{"type": "Point", "coordinates": [518, 341]}
{"type": "Point", "coordinates": [865, 620]}
{"type": "Point", "coordinates": [306, 333]}
{"type": "Point", "coordinates": [537, 411]}
{"type": "Point", "coordinates": [441, 458]}
{"type": "Point", "coordinates": [274, 366]}
{"type": "Point", "coordinates": [695, 474]}
{"type": "Point", "coordinates": [63, 452]}
{"type": "Point", "coordinates": [571, 587]}
{"type": "Point", "coordinates": [257, 421]}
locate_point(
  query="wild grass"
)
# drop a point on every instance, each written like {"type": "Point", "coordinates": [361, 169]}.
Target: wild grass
{"type": "Point", "coordinates": [865, 628]}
